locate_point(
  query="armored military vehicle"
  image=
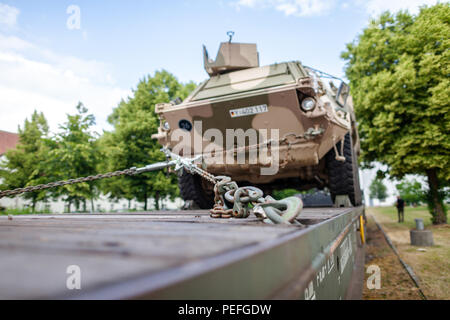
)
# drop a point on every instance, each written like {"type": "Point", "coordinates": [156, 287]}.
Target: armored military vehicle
{"type": "Point", "coordinates": [301, 123]}
{"type": "Point", "coordinates": [310, 134]}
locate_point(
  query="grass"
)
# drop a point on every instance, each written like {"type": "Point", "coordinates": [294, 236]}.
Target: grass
{"type": "Point", "coordinates": [15, 212]}
{"type": "Point", "coordinates": [432, 266]}
{"type": "Point", "coordinates": [411, 213]}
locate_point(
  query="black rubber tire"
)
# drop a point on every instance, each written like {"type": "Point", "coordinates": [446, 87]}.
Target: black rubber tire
{"type": "Point", "coordinates": [191, 189]}
{"type": "Point", "coordinates": [343, 176]}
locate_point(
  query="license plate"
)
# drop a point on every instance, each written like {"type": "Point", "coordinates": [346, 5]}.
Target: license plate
{"type": "Point", "coordinates": [247, 111]}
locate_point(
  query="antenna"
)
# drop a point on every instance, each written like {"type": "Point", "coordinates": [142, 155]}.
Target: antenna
{"type": "Point", "coordinates": [230, 34]}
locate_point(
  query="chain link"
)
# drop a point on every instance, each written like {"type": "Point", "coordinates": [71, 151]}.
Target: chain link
{"type": "Point", "coordinates": [61, 183]}
{"type": "Point", "coordinates": [131, 171]}
{"type": "Point", "coordinates": [204, 174]}
{"type": "Point", "coordinates": [178, 161]}
{"type": "Point", "coordinates": [189, 165]}
{"type": "Point", "coordinates": [225, 190]}
{"type": "Point", "coordinates": [244, 200]}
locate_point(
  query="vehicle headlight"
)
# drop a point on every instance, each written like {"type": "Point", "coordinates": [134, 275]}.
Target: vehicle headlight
{"type": "Point", "coordinates": [308, 104]}
{"type": "Point", "coordinates": [166, 126]}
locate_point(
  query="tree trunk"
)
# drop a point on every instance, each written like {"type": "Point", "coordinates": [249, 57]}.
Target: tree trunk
{"type": "Point", "coordinates": [145, 201]}
{"type": "Point", "coordinates": [129, 204]}
{"type": "Point", "coordinates": [33, 205]}
{"type": "Point", "coordinates": [92, 206]}
{"type": "Point", "coordinates": [439, 216]}
{"type": "Point", "coordinates": [157, 201]}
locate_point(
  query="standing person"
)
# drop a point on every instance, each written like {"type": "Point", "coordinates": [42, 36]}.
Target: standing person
{"type": "Point", "coordinates": [400, 209]}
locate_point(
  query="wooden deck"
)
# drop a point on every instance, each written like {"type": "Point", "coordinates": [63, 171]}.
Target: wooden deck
{"type": "Point", "coordinates": [129, 255]}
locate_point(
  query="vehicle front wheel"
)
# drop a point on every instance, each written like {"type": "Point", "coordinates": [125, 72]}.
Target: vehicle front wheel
{"type": "Point", "coordinates": [343, 177]}
{"type": "Point", "coordinates": [192, 188]}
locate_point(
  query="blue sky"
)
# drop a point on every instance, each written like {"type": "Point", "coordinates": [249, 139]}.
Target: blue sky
{"type": "Point", "coordinates": [121, 41]}
{"type": "Point", "coordinates": [46, 66]}
{"type": "Point", "coordinates": [137, 37]}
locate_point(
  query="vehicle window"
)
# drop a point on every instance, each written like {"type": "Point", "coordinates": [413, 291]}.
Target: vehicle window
{"type": "Point", "coordinates": [342, 95]}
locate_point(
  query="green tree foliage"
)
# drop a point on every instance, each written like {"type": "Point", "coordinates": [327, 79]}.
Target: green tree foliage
{"type": "Point", "coordinates": [378, 190]}
{"type": "Point", "coordinates": [23, 166]}
{"type": "Point", "coordinates": [411, 191]}
{"type": "Point", "coordinates": [75, 153]}
{"type": "Point", "coordinates": [130, 143]}
{"type": "Point", "coordinates": [399, 70]}
{"type": "Point", "coordinates": [281, 194]}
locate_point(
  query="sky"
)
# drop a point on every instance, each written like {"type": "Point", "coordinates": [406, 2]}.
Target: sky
{"type": "Point", "coordinates": [54, 54]}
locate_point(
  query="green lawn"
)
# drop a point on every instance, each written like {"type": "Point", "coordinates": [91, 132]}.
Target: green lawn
{"type": "Point", "coordinates": [411, 213]}
{"type": "Point", "coordinates": [15, 212]}
{"type": "Point", "coordinates": [431, 264]}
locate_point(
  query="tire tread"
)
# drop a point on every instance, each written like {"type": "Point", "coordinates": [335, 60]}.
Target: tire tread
{"type": "Point", "coordinates": [191, 189]}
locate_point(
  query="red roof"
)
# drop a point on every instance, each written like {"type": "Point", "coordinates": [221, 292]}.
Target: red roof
{"type": "Point", "coordinates": [8, 141]}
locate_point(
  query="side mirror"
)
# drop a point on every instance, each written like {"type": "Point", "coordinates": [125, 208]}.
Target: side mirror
{"type": "Point", "coordinates": [342, 94]}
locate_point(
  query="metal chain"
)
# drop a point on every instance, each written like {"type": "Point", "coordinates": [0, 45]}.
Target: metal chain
{"type": "Point", "coordinates": [178, 161]}
{"type": "Point", "coordinates": [189, 165]}
{"type": "Point", "coordinates": [17, 191]}
{"type": "Point", "coordinates": [203, 173]}
{"type": "Point", "coordinates": [131, 171]}
{"type": "Point", "coordinates": [226, 190]}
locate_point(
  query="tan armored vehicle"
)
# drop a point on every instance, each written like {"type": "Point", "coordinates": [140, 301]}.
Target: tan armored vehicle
{"type": "Point", "coordinates": [275, 127]}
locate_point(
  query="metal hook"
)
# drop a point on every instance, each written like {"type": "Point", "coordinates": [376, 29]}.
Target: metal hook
{"type": "Point", "coordinates": [230, 34]}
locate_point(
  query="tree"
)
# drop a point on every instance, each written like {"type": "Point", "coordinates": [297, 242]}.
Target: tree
{"type": "Point", "coordinates": [411, 192]}
{"type": "Point", "coordinates": [398, 69]}
{"type": "Point", "coordinates": [23, 165]}
{"type": "Point", "coordinates": [74, 154]}
{"type": "Point", "coordinates": [130, 143]}
{"type": "Point", "coordinates": [378, 190]}
{"type": "Point", "coordinates": [111, 153]}
{"type": "Point", "coordinates": [284, 193]}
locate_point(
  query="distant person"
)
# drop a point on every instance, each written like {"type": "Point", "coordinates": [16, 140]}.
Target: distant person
{"type": "Point", "coordinates": [400, 209]}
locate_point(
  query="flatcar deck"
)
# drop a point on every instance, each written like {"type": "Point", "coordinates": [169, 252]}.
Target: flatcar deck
{"type": "Point", "coordinates": [165, 254]}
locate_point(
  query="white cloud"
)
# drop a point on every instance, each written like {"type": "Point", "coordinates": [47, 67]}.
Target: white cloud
{"type": "Point", "coordinates": [302, 8]}
{"type": "Point", "coordinates": [8, 15]}
{"type": "Point", "coordinates": [375, 7]}
{"type": "Point", "coordinates": [32, 78]}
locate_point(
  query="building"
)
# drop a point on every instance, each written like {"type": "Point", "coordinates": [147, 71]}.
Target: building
{"type": "Point", "coordinates": [9, 140]}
